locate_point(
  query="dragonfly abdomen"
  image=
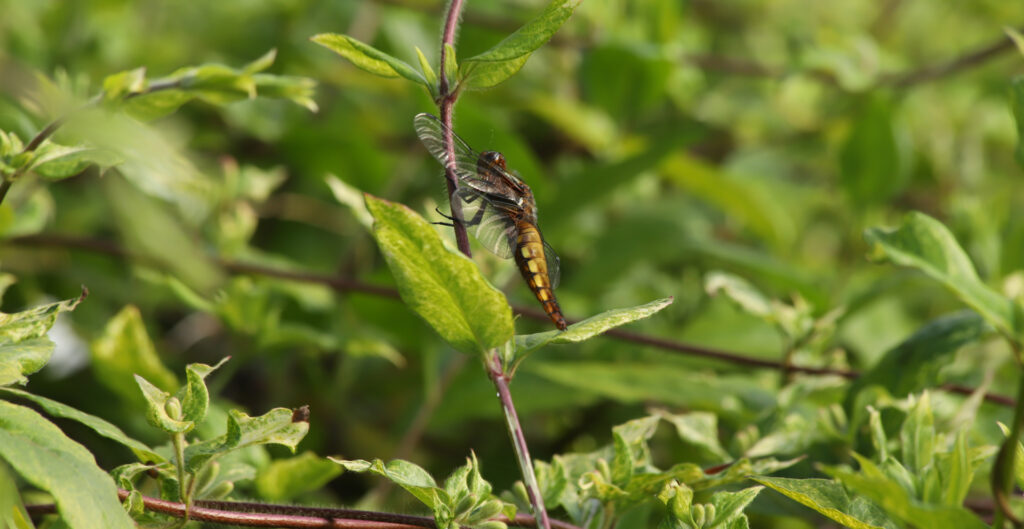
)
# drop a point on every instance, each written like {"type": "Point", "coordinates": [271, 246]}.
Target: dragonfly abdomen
{"type": "Point", "coordinates": [534, 268]}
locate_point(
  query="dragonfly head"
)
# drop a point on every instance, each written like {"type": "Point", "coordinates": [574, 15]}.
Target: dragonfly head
{"type": "Point", "coordinates": [490, 160]}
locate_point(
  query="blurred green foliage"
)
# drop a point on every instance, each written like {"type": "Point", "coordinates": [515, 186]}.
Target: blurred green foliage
{"type": "Point", "coordinates": [663, 140]}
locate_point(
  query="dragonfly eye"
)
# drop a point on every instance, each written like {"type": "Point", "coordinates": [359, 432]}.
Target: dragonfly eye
{"type": "Point", "coordinates": [493, 159]}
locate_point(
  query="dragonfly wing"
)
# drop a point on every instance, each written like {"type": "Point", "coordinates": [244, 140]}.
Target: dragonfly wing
{"type": "Point", "coordinates": [492, 181]}
{"type": "Point", "coordinates": [431, 132]}
{"type": "Point", "coordinates": [493, 228]}
{"type": "Point", "coordinates": [554, 265]}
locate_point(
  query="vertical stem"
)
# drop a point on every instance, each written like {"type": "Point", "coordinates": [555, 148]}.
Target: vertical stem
{"type": "Point", "coordinates": [1003, 468]}
{"type": "Point", "coordinates": [515, 431]}
{"type": "Point", "coordinates": [447, 104]}
{"type": "Point", "coordinates": [178, 440]}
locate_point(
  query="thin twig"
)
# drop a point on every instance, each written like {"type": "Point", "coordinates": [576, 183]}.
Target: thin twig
{"type": "Point", "coordinates": [950, 67]}
{"type": "Point", "coordinates": [254, 514]}
{"type": "Point", "coordinates": [348, 285]}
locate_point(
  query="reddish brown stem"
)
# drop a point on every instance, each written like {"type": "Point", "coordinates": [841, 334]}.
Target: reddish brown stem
{"type": "Point", "coordinates": [343, 284]}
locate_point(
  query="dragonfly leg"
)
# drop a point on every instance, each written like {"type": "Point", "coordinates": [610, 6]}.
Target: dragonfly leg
{"type": "Point", "coordinates": [449, 217]}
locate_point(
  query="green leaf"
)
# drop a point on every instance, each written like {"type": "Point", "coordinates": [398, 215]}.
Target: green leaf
{"type": "Point", "coordinates": [443, 287]}
{"type": "Point", "coordinates": [41, 454]}
{"type": "Point", "coordinates": [699, 429]}
{"type": "Point", "coordinates": [917, 436]}
{"type": "Point", "coordinates": [125, 349]}
{"type": "Point", "coordinates": [12, 511]}
{"type": "Point", "coordinates": [830, 499]}
{"type": "Point", "coordinates": [193, 395]}
{"type": "Point", "coordinates": [157, 404]}
{"type": "Point", "coordinates": [1017, 104]}
{"type": "Point", "coordinates": [128, 82]}
{"type": "Point", "coordinates": [872, 483]}
{"type": "Point", "coordinates": [588, 328]}
{"type": "Point", "coordinates": [958, 471]}
{"type": "Point", "coordinates": [98, 425]}
{"type": "Point", "coordinates": [508, 56]}
{"type": "Point", "coordinates": [915, 363]}
{"type": "Point", "coordinates": [59, 161]}
{"type": "Point", "coordinates": [409, 476]}
{"type": "Point", "coordinates": [925, 244]}
{"type": "Point", "coordinates": [428, 72]}
{"type": "Point", "coordinates": [872, 166]}
{"type": "Point", "coordinates": [286, 479]}
{"type": "Point", "coordinates": [278, 426]}
{"type": "Point", "coordinates": [368, 58]}
{"type": "Point", "coordinates": [351, 197]}
{"type": "Point", "coordinates": [24, 347]}
{"type": "Point", "coordinates": [1016, 37]}
{"type": "Point", "coordinates": [730, 505]}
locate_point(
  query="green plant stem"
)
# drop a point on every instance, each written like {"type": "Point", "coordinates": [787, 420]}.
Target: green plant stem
{"type": "Point", "coordinates": [1003, 469]}
{"type": "Point", "coordinates": [515, 431]}
{"type": "Point", "coordinates": [178, 440]}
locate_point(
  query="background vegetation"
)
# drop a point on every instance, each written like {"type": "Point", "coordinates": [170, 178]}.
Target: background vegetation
{"type": "Point", "coordinates": [729, 154]}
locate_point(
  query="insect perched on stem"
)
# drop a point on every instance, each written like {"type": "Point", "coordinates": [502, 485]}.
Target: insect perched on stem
{"type": "Point", "coordinates": [499, 209]}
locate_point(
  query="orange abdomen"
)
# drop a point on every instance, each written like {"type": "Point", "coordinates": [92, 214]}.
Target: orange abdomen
{"type": "Point", "coordinates": [534, 268]}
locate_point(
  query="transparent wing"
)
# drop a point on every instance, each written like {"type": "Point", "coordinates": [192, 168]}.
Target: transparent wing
{"type": "Point", "coordinates": [493, 228]}
{"type": "Point", "coordinates": [554, 265]}
{"type": "Point", "coordinates": [431, 132]}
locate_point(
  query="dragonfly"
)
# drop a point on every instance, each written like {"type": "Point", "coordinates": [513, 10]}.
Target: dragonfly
{"type": "Point", "coordinates": [499, 209]}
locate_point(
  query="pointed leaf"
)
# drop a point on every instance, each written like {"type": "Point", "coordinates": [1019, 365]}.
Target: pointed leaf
{"type": "Point", "coordinates": [830, 499]}
{"type": "Point", "coordinates": [24, 347]}
{"type": "Point", "coordinates": [873, 483]}
{"type": "Point", "coordinates": [915, 363]}
{"type": "Point", "coordinates": [443, 287]}
{"type": "Point", "coordinates": [279, 426]}
{"type": "Point", "coordinates": [917, 436]}
{"type": "Point", "coordinates": [41, 454]}
{"type": "Point", "coordinates": [59, 161]}
{"type": "Point", "coordinates": [925, 244]}
{"type": "Point", "coordinates": [1017, 104]}
{"type": "Point", "coordinates": [98, 425]}
{"type": "Point", "coordinates": [286, 479]}
{"type": "Point", "coordinates": [368, 58]}
{"type": "Point", "coordinates": [588, 328]}
{"type": "Point", "coordinates": [194, 396]}
{"type": "Point", "coordinates": [156, 408]}
{"type": "Point", "coordinates": [730, 505]}
{"type": "Point", "coordinates": [125, 349]}
{"type": "Point", "coordinates": [409, 476]}
{"type": "Point", "coordinates": [508, 56]}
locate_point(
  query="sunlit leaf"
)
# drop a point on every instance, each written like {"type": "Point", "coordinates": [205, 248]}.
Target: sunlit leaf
{"type": "Point", "coordinates": [279, 426]}
{"type": "Point", "coordinates": [286, 479]}
{"type": "Point", "coordinates": [125, 349]}
{"type": "Point", "coordinates": [24, 347]}
{"type": "Point", "coordinates": [923, 243]}
{"type": "Point", "coordinates": [588, 328]}
{"type": "Point", "coordinates": [368, 58]}
{"type": "Point", "coordinates": [830, 499]}
{"type": "Point", "coordinates": [508, 56]}
{"type": "Point", "coordinates": [443, 287]}
{"type": "Point", "coordinates": [98, 425]}
{"type": "Point", "coordinates": [43, 456]}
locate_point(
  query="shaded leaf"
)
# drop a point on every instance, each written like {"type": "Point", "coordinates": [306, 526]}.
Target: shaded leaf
{"type": "Point", "coordinates": [915, 363]}
{"type": "Point", "coordinates": [194, 396]}
{"type": "Point", "coordinates": [1017, 104]}
{"type": "Point", "coordinates": [60, 161]}
{"type": "Point", "coordinates": [409, 476]}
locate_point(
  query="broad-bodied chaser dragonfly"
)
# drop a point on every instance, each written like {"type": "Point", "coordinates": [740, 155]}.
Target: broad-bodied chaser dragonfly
{"type": "Point", "coordinates": [499, 209]}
